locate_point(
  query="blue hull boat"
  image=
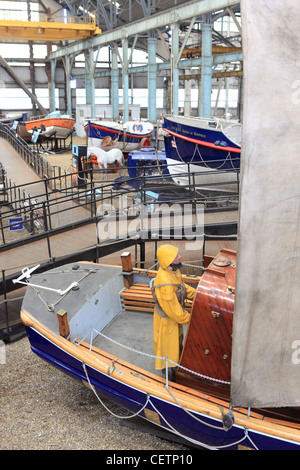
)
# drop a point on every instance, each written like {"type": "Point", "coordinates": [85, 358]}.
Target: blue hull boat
{"type": "Point", "coordinates": [129, 136]}
{"type": "Point", "coordinates": [86, 320]}
{"type": "Point", "coordinates": [204, 142]}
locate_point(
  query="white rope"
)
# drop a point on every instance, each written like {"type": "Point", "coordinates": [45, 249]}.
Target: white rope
{"type": "Point", "coordinates": [175, 364]}
{"type": "Point", "coordinates": [63, 294]}
{"type": "Point", "coordinates": [195, 441]}
{"type": "Point", "coordinates": [255, 446]}
{"type": "Point", "coordinates": [103, 404]}
{"type": "Point", "coordinates": [191, 414]}
{"type": "Point", "coordinates": [228, 157]}
{"type": "Point", "coordinates": [157, 411]}
{"type": "Point", "coordinates": [193, 265]}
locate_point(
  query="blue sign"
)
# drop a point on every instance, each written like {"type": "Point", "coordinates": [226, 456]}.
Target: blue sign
{"type": "Point", "coordinates": [35, 136]}
{"type": "Point", "coordinates": [16, 224]}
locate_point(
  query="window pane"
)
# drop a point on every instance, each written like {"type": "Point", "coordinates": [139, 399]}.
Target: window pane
{"type": "Point", "coordinates": [232, 98]}
{"type": "Point", "coordinates": [20, 51]}
{"type": "Point", "coordinates": [39, 51]}
{"type": "Point", "coordinates": [159, 98]}
{"type": "Point", "coordinates": [16, 98]}
{"type": "Point", "coordinates": [18, 11]}
{"type": "Point", "coordinates": [101, 96]}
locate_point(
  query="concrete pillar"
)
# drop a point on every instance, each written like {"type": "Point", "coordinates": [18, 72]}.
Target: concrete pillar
{"type": "Point", "coordinates": [68, 62]}
{"type": "Point", "coordinates": [125, 80]}
{"type": "Point", "coordinates": [90, 81]}
{"type": "Point", "coordinates": [87, 81]}
{"type": "Point", "coordinates": [53, 67]}
{"type": "Point", "coordinates": [114, 84]}
{"type": "Point", "coordinates": [174, 69]}
{"type": "Point", "coordinates": [187, 95]}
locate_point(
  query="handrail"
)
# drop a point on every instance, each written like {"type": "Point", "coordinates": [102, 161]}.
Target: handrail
{"type": "Point", "coordinates": [41, 209]}
{"type": "Point", "coordinates": [33, 159]}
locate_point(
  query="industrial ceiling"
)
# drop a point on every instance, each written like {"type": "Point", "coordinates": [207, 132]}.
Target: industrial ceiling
{"type": "Point", "coordinates": [102, 16]}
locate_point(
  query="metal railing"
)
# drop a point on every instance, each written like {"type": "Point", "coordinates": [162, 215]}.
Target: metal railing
{"type": "Point", "coordinates": [81, 196]}
{"type": "Point", "coordinates": [62, 202]}
{"type": "Point", "coordinates": [36, 162]}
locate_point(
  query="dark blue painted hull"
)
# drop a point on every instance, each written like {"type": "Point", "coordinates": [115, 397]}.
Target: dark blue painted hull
{"type": "Point", "coordinates": [207, 147]}
{"type": "Point", "coordinates": [203, 430]}
{"type": "Point", "coordinates": [97, 131]}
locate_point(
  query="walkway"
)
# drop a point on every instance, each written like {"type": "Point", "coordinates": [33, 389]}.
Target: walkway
{"type": "Point", "coordinates": [77, 239]}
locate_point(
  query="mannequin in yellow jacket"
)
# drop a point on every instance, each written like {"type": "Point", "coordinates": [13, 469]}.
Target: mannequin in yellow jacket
{"type": "Point", "coordinates": [169, 313]}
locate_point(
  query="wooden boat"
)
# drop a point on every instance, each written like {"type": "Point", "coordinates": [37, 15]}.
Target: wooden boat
{"type": "Point", "coordinates": [52, 125]}
{"type": "Point", "coordinates": [128, 136]}
{"type": "Point", "coordinates": [26, 136]}
{"type": "Point", "coordinates": [98, 329]}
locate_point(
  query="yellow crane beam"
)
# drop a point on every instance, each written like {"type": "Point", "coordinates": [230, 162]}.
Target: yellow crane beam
{"type": "Point", "coordinates": [46, 30]}
{"type": "Point", "coordinates": [197, 50]}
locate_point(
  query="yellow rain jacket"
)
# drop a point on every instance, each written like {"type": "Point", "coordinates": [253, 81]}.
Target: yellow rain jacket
{"type": "Point", "coordinates": [169, 315]}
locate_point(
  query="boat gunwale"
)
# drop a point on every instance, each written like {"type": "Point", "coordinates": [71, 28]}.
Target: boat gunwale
{"type": "Point", "coordinates": [51, 121]}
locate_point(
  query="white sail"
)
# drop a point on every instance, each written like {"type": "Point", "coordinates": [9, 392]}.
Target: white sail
{"type": "Point", "coordinates": [266, 331]}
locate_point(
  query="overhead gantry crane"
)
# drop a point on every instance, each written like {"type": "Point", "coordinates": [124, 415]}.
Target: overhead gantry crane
{"type": "Point", "coordinates": [73, 28]}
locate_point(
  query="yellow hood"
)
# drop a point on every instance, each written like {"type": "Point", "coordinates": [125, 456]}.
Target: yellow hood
{"type": "Point", "coordinates": [166, 255]}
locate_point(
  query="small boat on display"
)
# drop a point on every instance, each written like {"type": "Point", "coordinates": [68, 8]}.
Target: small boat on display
{"type": "Point", "coordinates": [10, 118]}
{"type": "Point", "coordinates": [209, 147]}
{"type": "Point", "coordinates": [17, 123]}
{"type": "Point", "coordinates": [53, 125]}
{"type": "Point", "coordinates": [94, 322]}
{"type": "Point", "coordinates": [131, 135]}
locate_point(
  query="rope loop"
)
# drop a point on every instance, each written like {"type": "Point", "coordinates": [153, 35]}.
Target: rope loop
{"type": "Point", "coordinates": [150, 402]}
{"type": "Point", "coordinates": [103, 404]}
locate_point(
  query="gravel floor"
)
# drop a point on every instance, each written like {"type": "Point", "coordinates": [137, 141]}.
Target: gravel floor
{"type": "Point", "coordinates": [43, 409]}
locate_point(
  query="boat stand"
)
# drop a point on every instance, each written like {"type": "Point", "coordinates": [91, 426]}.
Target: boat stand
{"type": "Point", "coordinates": [55, 144]}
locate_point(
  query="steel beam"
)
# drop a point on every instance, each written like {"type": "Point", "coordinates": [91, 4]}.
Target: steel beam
{"type": "Point", "coordinates": [20, 82]}
{"type": "Point", "coordinates": [185, 63]}
{"type": "Point", "coordinates": [114, 84]}
{"type": "Point", "coordinates": [152, 71]}
{"type": "Point", "coordinates": [180, 13]}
